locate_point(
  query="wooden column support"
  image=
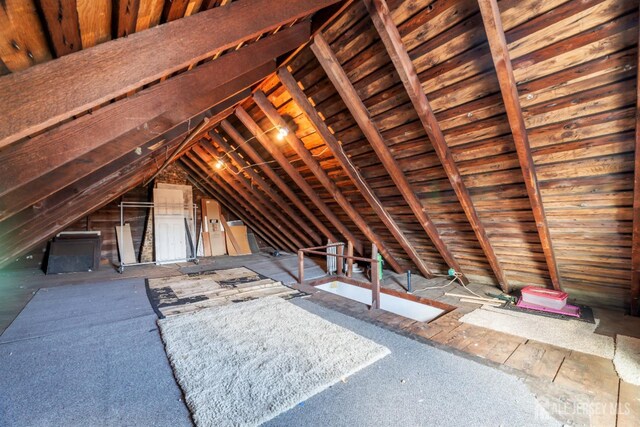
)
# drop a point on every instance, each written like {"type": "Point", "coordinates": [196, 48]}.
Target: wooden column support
{"type": "Point", "coordinates": [500, 54]}
{"type": "Point", "coordinates": [298, 96]}
{"type": "Point", "coordinates": [375, 278]}
{"type": "Point", "coordinates": [298, 146]}
{"type": "Point", "coordinates": [268, 145]}
{"type": "Point", "coordinates": [390, 36]}
{"type": "Point", "coordinates": [347, 92]}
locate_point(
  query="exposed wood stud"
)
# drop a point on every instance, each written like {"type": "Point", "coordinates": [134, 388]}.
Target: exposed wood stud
{"type": "Point", "coordinates": [298, 96]}
{"type": "Point", "coordinates": [341, 82]}
{"type": "Point", "coordinates": [635, 240]}
{"type": "Point", "coordinates": [500, 54]}
{"type": "Point", "coordinates": [270, 173]}
{"type": "Point", "coordinates": [390, 36]}
{"type": "Point", "coordinates": [298, 146]}
{"type": "Point", "coordinates": [258, 133]}
{"type": "Point", "coordinates": [61, 18]}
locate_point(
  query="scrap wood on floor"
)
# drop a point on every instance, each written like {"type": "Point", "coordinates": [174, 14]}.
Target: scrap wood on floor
{"type": "Point", "coordinates": [243, 364]}
{"type": "Point", "coordinates": [195, 291]}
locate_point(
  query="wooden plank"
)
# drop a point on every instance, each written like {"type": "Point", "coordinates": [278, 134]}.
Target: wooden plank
{"type": "Point", "coordinates": [268, 145]}
{"type": "Point", "coordinates": [347, 92]}
{"type": "Point", "coordinates": [174, 9]}
{"type": "Point", "coordinates": [61, 18]}
{"type": "Point", "coordinates": [298, 96]}
{"type": "Point", "coordinates": [125, 244]}
{"type": "Point", "coordinates": [635, 238]}
{"type": "Point", "coordinates": [298, 146]}
{"type": "Point", "coordinates": [204, 221]}
{"type": "Point", "coordinates": [257, 178]}
{"type": "Point", "coordinates": [230, 236]}
{"type": "Point", "coordinates": [95, 21]}
{"type": "Point", "coordinates": [74, 84]}
{"type": "Point", "coordinates": [500, 54]}
{"type": "Point", "coordinates": [273, 176]}
{"type": "Point", "coordinates": [125, 17]}
{"type": "Point", "coordinates": [390, 36]}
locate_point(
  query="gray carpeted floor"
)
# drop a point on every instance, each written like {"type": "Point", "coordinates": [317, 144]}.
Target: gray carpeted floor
{"type": "Point", "coordinates": [87, 355]}
{"type": "Point", "coordinates": [416, 385]}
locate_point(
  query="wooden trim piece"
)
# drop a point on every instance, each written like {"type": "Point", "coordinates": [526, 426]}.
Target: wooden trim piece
{"type": "Point", "coordinates": [298, 96]}
{"type": "Point", "coordinates": [75, 83]}
{"type": "Point", "coordinates": [259, 201]}
{"type": "Point", "coordinates": [392, 40]}
{"type": "Point", "coordinates": [270, 173]}
{"type": "Point", "coordinates": [298, 146]}
{"type": "Point", "coordinates": [347, 92]}
{"type": "Point", "coordinates": [255, 176]}
{"type": "Point", "coordinates": [152, 111]}
{"type": "Point", "coordinates": [635, 239]}
{"type": "Point", "coordinates": [500, 54]}
{"type": "Point", "coordinates": [268, 145]}
{"type": "Point", "coordinates": [197, 178]}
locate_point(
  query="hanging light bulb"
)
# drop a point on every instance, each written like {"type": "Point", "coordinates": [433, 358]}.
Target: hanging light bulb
{"type": "Point", "coordinates": [219, 164]}
{"type": "Point", "coordinates": [282, 133]}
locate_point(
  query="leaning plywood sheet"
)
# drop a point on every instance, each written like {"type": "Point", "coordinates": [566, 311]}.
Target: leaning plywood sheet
{"type": "Point", "coordinates": [187, 199]}
{"type": "Point", "coordinates": [125, 244]}
{"type": "Point", "coordinates": [240, 234]}
{"type": "Point", "coordinates": [185, 294]}
{"type": "Point", "coordinates": [213, 226]}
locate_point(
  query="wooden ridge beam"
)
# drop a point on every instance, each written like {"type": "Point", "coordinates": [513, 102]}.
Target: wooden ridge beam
{"type": "Point", "coordinates": [301, 100]}
{"type": "Point", "coordinates": [242, 164]}
{"type": "Point", "coordinates": [206, 187]}
{"type": "Point", "coordinates": [152, 111]}
{"type": "Point", "coordinates": [276, 217]}
{"type": "Point", "coordinates": [348, 94]}
{"type": "Point", "coordinates": [635, 239]}
{"type": "Point", "coordinates": [314, 166]}
{"type": "Point", "coordinates": [500, 54]}
{"type": "Point", "coordinates": [268, 145]}
{"type": "Point", "coordinates": [75, 83]}
{"type": "Point", "coordinates": [224, 186]}
{"type": "Point", "coordinates": [381, 17]}
{"type": "Point", "coordinates": [275, 178]}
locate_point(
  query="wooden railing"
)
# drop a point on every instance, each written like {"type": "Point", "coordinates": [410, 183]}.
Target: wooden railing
{"type": "Point", "coordinates": [340, 257]}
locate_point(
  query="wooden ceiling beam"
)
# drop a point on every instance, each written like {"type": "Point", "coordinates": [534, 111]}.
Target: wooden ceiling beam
{"type": "Point", "coordinates": [227, 189]}
{"type": "Point", "coordinates": [502, 62]}
{"type": "Point", "coordinates": [174, 9]}
{"type": "Point", "coordinates": [203, 185]}
{"type": "Point", "coordinates": [219, 142]}
{"type": "Point", "coordinates": [274, 216]}
{"type": "Point", "coordinates": [151, 112]}
{"type": "Point", "coordinates": [61, 18]}
{"type": "Point", "coordinates": [635, 239]}
{"type": "Point", "coordinates": [314, 166]}
{"type": "Point", "coordinates": [301, 100]}
{"type": "Point", "coordinates": [275, 178]}
{"type": "Point", "coordinates": [289, 169]}
{"type": "Point", "coordinates": [381, 17]}
{"type": "Point", "coordinates": [75, 83]}
{"type": "Point", "coordinates": [348, 94]}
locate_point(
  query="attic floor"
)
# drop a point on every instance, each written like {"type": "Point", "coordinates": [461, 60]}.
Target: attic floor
{"type": "Point", "coordinates": [564, 380]}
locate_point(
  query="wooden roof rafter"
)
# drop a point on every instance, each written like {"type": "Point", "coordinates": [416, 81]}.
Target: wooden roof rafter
{"type": "Point", "coordinates": [502, 62]}
{"type": "Point", "coordinates": [341, 82]}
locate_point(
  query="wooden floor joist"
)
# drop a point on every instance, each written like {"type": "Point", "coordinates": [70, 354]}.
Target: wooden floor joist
{"type": "Point", "coordinates": [298, 146]}
{"type": "Point", "coordinates": [261, 164]}
{"type": "Point", "coordinates": [75, 83]}
{"type": "Point", "coordinates": [390, 36]}
{"type": "Point", "coordinates": [502, 62]}
{"type": "Point", "coordinates": [341, 82]}
{"type": "Point", "coordinates": [298, 96]}
{"type": "Point", "coordinates": [260, 136]}
{"type": "Point", "coordinates": [218, 142]}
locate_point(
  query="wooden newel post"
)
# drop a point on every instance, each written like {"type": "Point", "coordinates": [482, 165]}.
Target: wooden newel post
{"type": "Point", "coordinates": [300, 267]}
{"type": "Point", "coordinates": [375, 278]}
{"type": "Point", "coordinates": [339, 259]}
{"type": "Point", "coordinates": [349, 260]}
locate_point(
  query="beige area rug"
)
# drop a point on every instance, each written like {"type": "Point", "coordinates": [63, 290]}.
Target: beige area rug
{"type": "Point", "coordinates": [184, 294]}
{"type": "Point", "coordinates": [570, 334]}
{"type": "Point", "coordinates": [243, 364]}
{"type": "Point", "coordinates": [627, 359]}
